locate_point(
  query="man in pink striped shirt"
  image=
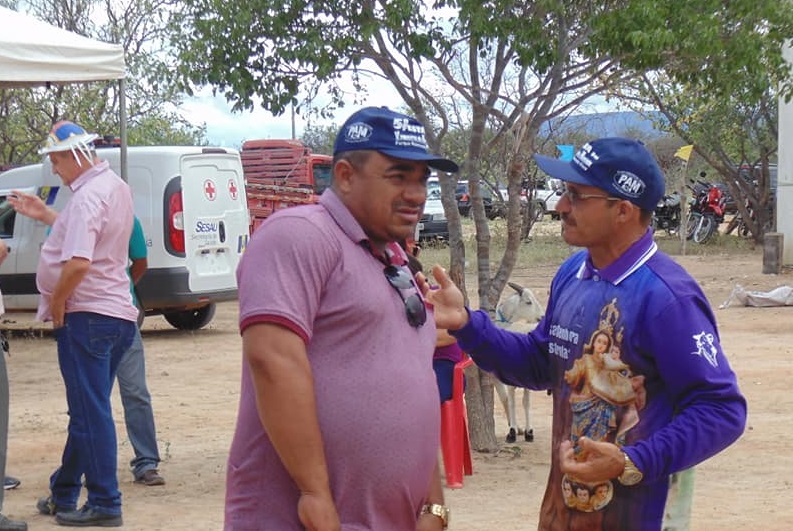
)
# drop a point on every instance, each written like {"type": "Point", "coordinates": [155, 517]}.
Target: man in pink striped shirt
{"type": "Point", "coordinates": [82, 278]}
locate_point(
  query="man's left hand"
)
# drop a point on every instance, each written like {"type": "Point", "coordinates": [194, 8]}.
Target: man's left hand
{"type": "Point", "coordinates": [58, 314]}
{"type": "Point", "coordinates": [595, 462]}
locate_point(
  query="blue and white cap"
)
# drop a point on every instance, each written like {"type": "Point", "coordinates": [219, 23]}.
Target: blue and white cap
{"type": "Point", "coordinates": [621, 167]}
{"type": "Point", "coordinates": [390, 133]}
{"type": "Point", "coordinates": [68, 136]}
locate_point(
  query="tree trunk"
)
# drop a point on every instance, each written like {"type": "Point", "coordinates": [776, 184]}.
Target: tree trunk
{"type": "Point", "coordinates": [479, 404]}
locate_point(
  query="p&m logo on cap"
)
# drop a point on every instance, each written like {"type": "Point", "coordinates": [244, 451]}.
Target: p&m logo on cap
{"type": "Point", "coordinates": [629, 184]}
{"type": "Point", "coordinates": [358, 132]}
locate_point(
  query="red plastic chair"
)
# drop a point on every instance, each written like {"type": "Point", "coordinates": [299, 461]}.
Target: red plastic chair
{"type": "Point", "coordinates": [455, 444]}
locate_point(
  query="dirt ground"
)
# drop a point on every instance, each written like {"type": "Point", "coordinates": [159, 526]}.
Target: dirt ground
{"type": "Point", "coordinates": [194, 380]}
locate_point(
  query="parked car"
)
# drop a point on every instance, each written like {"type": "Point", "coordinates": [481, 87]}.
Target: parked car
{"type": "Point", "coordinates": [549, 192]}
{"type": "Point", "coordinates": [546, 194]}
{"type": "Point", "coordinates": [463, 197]}
{"type": "Point", "coordinates": [433, 224]}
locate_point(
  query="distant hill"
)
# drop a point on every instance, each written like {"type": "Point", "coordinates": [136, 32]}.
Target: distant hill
{"type": "Point", "coordinates": [617, 123]}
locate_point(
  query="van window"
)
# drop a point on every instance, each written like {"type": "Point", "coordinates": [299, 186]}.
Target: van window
{"type": "Point", "coordinates": [322, 172]}
{"type": "Point", "coordinates": [7, 218]}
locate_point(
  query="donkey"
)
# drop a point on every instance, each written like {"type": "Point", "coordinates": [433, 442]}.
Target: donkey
{"type": "Point", "coordinates": [520, 312]}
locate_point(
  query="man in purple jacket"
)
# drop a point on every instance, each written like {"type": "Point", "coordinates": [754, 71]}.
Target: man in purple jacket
{"type": "Point", "coordinates": [629, 346]}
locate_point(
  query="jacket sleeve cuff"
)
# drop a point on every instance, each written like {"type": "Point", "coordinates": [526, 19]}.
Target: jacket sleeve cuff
{"type": "Point", "coordinates": [469, 336]}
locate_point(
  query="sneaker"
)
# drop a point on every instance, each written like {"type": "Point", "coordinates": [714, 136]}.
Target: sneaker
{"type": "Point", "coordinates": [88, 517]}
{"type": "Point", "coordinates": [48, 506]}
{"type": "Point", "coordinates": [150, 478]}
{"type": "Point", "coordinates": [7, 524]}
{"type": "Point", "coordinates": [10, 483]}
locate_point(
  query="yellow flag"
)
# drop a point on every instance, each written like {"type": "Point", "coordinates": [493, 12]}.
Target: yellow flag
{"type": "Point", "coordinates": [684, 152]}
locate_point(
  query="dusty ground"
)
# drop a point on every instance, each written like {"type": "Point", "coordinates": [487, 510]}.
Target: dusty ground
{"type": "Point", "coordinates": [194, 379]}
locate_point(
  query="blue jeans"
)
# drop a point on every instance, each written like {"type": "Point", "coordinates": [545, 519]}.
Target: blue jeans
{"type": "Point", "coordinates": [444, 374]}
{"type": "Point", "coordinates": [138, 414]}
{"type": "Point", "coordinates": [90, 347]}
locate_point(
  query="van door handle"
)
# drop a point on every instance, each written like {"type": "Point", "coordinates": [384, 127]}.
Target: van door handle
{"type": "Point", "coordinates": [222, 231]}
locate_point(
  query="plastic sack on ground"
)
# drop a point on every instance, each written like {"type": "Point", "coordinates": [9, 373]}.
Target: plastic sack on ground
{"type": "Point", "coordinates": [781, 296]}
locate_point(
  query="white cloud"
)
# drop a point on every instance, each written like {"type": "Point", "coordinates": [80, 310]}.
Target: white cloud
{"type": "Point", "coordinates": [231, 129]}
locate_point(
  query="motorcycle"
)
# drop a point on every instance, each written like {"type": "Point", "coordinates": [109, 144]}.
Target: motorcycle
{"type": "Point", "coordinates": [667, 214]}
{"type": "Point", "coordinates": [744, 227]}
{"type": "Point", "coordinates": [706, 212]}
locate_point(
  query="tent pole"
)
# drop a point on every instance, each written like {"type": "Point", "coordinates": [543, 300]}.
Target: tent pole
{"type": "Point", "coordinates": [122, 103]}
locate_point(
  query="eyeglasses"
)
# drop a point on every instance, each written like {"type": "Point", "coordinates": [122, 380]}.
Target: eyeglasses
{"type": "Point", "coordinates": [576, 198]}
{"type": "Point", "coordinates": [414, 305]}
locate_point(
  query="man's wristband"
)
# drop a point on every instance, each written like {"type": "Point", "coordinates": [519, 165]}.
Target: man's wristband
{"type": "Point", "coordinates": [436, 509]}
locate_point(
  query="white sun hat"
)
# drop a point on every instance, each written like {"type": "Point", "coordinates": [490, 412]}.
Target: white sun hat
{"type": "Point", "coordinates": [68, 136]}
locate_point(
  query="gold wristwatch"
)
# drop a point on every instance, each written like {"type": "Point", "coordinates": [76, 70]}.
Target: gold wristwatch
{"type": "Point", "coordinates": [441, 511]}
{"type": "Point", "coordinates": [631, 475]}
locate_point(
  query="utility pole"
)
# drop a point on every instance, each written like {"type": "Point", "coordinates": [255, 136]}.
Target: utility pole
{"type": "Point", "coordinates": [294, 136]}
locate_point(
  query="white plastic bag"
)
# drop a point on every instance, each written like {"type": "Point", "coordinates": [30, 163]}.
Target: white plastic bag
{"type": "Point", "coordinates": [781, 296]}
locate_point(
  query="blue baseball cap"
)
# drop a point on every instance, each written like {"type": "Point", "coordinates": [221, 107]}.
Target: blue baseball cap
{"type": "Point", "coordinates": [390, 133]}
{"type": "Point", "coordinates": [621, 167]}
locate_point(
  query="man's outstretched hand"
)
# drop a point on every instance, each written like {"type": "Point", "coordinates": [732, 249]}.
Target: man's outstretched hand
{"type": "Point", "coordinates": [446, 299]}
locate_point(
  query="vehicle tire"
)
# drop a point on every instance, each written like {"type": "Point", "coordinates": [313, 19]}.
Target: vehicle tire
{"type": "Point", "coordinates": [191, 319]}
{"type": "Point", "coordinates": [692, 223]}
{"type": "Point", "coordinates": [705, 229]}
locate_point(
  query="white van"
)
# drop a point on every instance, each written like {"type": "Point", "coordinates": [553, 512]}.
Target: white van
{"type": "Point", "coordinates": [192, 206]}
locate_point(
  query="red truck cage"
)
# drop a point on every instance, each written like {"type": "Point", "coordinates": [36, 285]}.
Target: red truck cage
{"type": "Point", "coordinates": [281, 173]}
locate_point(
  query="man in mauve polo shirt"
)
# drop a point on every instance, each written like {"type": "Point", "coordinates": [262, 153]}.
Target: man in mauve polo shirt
{"type": "Point", "coordinates": [82, 278]}
{"type": "Point", "coordinates": [338, 424]}
{"type": "Point", "coordinates": [628, 345]}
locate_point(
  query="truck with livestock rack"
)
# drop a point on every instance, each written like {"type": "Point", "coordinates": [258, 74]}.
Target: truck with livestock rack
{"type": "Point", "coordinates": [281, 173]}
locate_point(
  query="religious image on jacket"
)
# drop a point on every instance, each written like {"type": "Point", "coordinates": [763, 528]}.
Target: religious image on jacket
{"type": "Point", "coordinates": [605, 399]}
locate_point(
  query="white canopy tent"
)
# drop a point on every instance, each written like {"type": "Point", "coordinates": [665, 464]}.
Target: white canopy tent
{"type": "Point", "coordinates": [34, 53]}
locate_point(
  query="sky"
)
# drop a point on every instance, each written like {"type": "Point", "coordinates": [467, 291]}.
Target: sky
{"type": "Point", "coordinates": [229, 129]}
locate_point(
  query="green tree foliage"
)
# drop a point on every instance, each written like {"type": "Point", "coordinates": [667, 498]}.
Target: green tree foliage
{"type": "Point", "coordinates": [26, 115]}
{"type": "Point", "coordinates": [492, 71]}
{"type": "Point", "coordinates": [157, 130]}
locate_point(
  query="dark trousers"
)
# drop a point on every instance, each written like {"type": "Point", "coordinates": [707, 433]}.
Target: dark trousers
{"type": "Point", "coordinates": [444, 373]}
